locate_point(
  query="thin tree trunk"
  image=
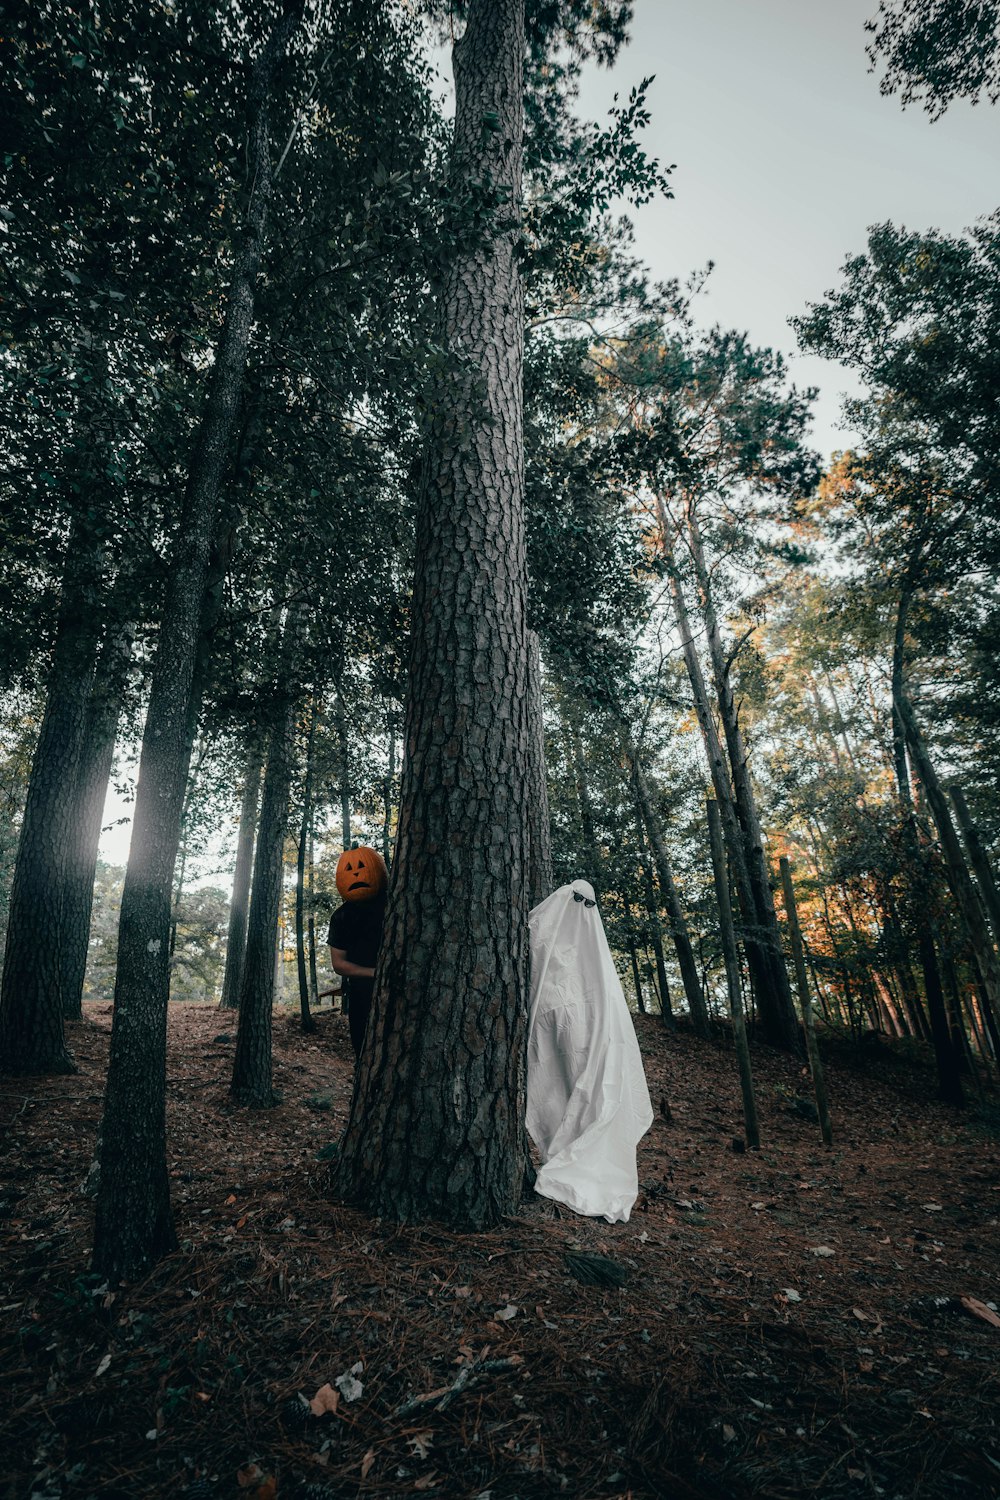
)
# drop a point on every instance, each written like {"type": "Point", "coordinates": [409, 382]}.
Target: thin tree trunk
{"type": "Point", "coordinates": [656, 936]}
{"type": "Point", "coordinates": [678, 923]}
{"type": "Point", "coordinates": [31, 1000]}
{"type": "Point", "coordinates": [980, 860]}
{"type": "Point", "coordinates": [587, 827]}
{"type": "Point", "coordinates": [389, 787]}
{"type": "Point", "coordinates": [133, 1224]}
{"type": "Point", "coordinates": [97, 755]}
{"type": "Point", "coordinates": [633, 953]}
{"type": "Point", "coordinates": [239, 905]}
{"type": "Point", "coordinates": [311, 922]}
{"type": "Point", "coordinates": [343, 740]}
{"type": "Point", "coordinates": [776, 1011]}
{"type": "Point", "coordinates": [758, 960]}
{"type": "Point", "coordinates": [308, 1024]}
{"type": "Point", "coordinates": [732, 964]}
{"type": "Point", "coordinates": [540, 879]}
{"type": "Point", "coordinates": [252, 1082]}
{"type": "Point", "coordinates": [964, 891]}
{"type": "Point", "coordinates": [805, 1001]}
{"type": "Point", "coordinates": [437, 1121]}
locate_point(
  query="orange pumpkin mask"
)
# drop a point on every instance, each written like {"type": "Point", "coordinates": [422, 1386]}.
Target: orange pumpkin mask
{"type": "Point", "coordinates": [361, 874]}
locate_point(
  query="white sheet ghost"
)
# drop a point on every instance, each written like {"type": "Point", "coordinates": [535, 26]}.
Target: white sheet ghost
{"type": "Point", "coordinates": [588, 1101]}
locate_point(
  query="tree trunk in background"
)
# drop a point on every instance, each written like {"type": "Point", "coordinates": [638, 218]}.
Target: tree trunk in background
{"type": "Point", "coordinates": [970, 909]}
{"type": "Point", "coordinates": [732, 963]}
{"type": "Point", "coordinates": [587, 828]}
{"type": "Point", "coordinates": [31, 1001]}
{"type": "Point", "coordinates": [239, 905]}
{"type": "Point", "coordinates": [805, 1002]}
{"type": "Point", "coordinates": [389, 788]}
{"type": "Point", "coordinates": [311, 920]}
{"type": "Point", "coordinates": [437, 1121]}
{"type": "Point", "coordinates": [252, 1064]}
{"type": "Point", "coordinates": [678, 922]}
{"type": "Point", "coordinates": [948, 1059]}
{"type": "Point", "coordinates": [308, 1024]}
{"type": "Point", "coordinates": [97, 755]}
{"type": "Point", "coordinates": [633, 953]}
{"type": "Point", "coordinates": [656, 933]}
{"type": "Point", "coordinates": [133, 1225]}
{"type": "Point", "coordinates": [758, 958]}
{"type": "Point", "coordinates": [340, 720]}
{"type": "Point", "coordinates": [541, 881]}
{"type": "Point", "coordinates": [980, 860]}
{"type": "Point", "coordinates": [776, 1013]}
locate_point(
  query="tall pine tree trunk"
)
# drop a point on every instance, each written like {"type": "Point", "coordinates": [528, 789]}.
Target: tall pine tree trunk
{"type": "Point", "coordinates": [31, 996]}
{"type": "Point", "coordinates": [133, 1225]}
{"type": "Point", "coordinates": [776, 1011]}
{"type": "Point", "coordinates": [437, 1122]}
{"type": "Point", "coordinates": [239, 905]}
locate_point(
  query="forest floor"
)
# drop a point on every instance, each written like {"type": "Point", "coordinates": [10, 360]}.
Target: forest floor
{"type": "Point", "coordinates": [792, 1320]}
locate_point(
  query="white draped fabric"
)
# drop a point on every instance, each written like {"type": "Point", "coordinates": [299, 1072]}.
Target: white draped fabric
{"type": "Point", "coordinates": [588, 1102]}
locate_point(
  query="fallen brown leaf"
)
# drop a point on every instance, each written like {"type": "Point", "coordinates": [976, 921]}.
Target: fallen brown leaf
{"type": "Point", "coordinates": [326, 1399]}
{"type": "Point", "coordinates": [980, 1310]}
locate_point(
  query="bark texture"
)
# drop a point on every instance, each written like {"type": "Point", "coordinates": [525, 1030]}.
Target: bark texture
{"type": "Point", "coordinates": [133, 1224]}
{"type": "Point", "coordinates": [31, 999]}
{"type": "Point", "coordinates": [437, 1122]}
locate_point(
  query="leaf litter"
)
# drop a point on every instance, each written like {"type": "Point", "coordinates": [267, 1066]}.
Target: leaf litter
{"type": "Point", "coordinates": [550, 1356]}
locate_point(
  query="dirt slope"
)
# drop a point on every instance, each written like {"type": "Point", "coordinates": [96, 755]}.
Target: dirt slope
{"type": "Point", "coordinates": [791, 1320]}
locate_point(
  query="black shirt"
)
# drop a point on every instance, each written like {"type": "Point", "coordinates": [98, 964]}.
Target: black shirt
{"type": "Point", "coordinates": [356, 929]}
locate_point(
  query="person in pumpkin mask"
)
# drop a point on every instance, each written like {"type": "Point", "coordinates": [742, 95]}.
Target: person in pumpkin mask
{"type": "Point", "coordinates": [356, 931]}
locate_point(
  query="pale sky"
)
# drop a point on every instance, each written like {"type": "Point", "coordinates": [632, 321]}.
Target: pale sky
{"type": "Point", "coordinates": [786, 152]}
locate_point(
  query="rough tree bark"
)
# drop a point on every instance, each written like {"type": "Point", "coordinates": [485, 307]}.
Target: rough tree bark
{"type": "Point", "coordinates": [776, 1011]}
{"type": "Point", "coordinates": [541, 880]}
{"type": "Point", "coordinates": [133, 1224]}
{"type": "Point", "coordinates": [239, 906]}
{"type": "Point", "coordinates": [437, 1121]}
{"type": "Point", "coordinates": [31, 1002]}
{"type": "Point", "coordinates": [252, 1082]}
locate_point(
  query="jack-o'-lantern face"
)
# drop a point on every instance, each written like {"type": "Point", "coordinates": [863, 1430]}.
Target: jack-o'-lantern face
{"type": "Point", "coordinates": [361, 874]}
